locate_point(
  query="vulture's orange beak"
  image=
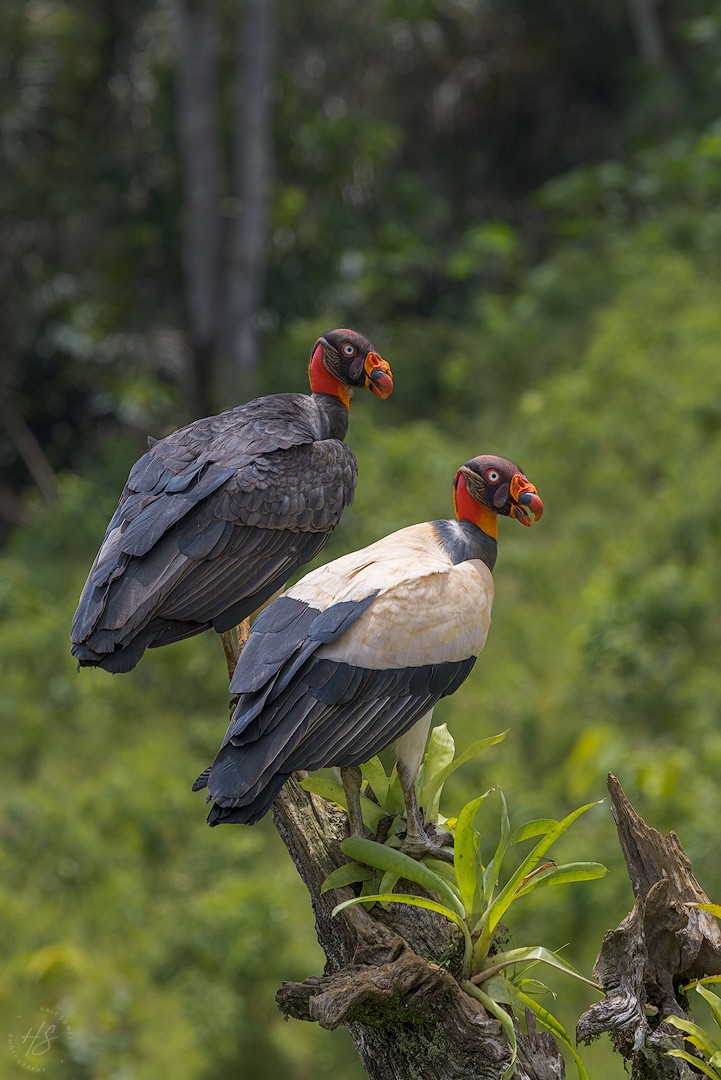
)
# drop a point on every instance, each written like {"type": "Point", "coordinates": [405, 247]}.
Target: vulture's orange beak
{"type": "Point", "coordinates": [525, 498]}
{"type": "Point", "coordinates": [379, 378]}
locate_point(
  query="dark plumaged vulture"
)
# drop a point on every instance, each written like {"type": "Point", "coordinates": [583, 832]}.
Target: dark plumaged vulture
{"type": "Point", "coordinates": [217, 516]}
{"type": "Point", "coordinates": [356, 655]}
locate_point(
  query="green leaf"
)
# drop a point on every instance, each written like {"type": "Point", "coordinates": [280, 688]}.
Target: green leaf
{"type": "Point", "coordinates": [388, 859]}
{"type": "Point", "coordinates": [714, 1003]}
{"type": "Point", "coordinates": [695, 1034]}
{"type": "Point", "coordinates": [493, 870]}
{"type": "Point", "coordinates": [375, 774]}
{"type": "Point", "coordinates": [499, 961]}
{"type": "Point", "coordinates": [402, 898]}
{"type": "Point", "coordinates": [347, 874]}
{"type": "Point", "coordinates": [464, 853]}
{"type": "Point", "coordinates": [439, 754]}
{"type": "Point", "coordinates": [551, 1023]}
{"type": "Point", "coordinates": [506, 896]}
{"type": "Point", "coordinates": [444, 870]}
{"type": "Point", "coordinates": [394, 798]}
{"type": "Point", "coordinates": [561, 875]}
{"type": "Point", "coordinates": [707, 980]}
{"type": "Point", "coordinates": [696, 1062]}
{"type": "Point", "coordinates": [436, 783]}
{"type": "Point", "coordinates": [334, 792]}
{"type": "Point", "coordinates": [501, 1015]}
{"type": "Point", "coordinates": [537, 827]}
{"type": "Point", "coordinates": [713, 909]}
{"type": "Point", "coordinates": [387, 883]}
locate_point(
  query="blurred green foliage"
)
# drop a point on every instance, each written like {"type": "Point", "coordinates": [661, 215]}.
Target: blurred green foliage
{"type": "Point", "coordinates": [525, 217]}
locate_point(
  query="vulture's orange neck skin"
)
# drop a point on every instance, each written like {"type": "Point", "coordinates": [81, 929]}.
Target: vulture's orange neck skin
{"type": "Point", "coordinates": [321, 380]}
{"type": "Point", "coordinates": [467, 509]}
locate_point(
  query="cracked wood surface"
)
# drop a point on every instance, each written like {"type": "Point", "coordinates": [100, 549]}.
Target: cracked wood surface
{"type": "Point", "coordinates": [662, 944]}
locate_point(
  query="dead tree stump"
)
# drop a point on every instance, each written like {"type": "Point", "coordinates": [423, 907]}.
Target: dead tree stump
{"type": "Point", "coordinates": [660, 945]}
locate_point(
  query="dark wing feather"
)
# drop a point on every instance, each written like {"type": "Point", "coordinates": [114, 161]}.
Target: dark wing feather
{"type": "Point", "coordinates": [213, 520]}
{"type": "Point", "coordinates": [297, 710]}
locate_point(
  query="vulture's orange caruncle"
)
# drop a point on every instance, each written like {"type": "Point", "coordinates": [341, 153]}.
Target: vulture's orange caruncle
{"type": "Point", "coordinates": [217, 516]}
{"type": "Point", "coordinates": [355, 656]}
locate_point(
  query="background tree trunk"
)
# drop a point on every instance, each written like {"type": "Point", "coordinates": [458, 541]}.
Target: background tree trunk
{"type": "Point", "coordinates": [243, 288]}
{"type": "Point", "coordinates": [201, 163]}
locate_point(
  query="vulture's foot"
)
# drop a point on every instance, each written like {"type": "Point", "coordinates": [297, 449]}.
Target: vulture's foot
{"type": "Point", "coordinates": [429, 842]}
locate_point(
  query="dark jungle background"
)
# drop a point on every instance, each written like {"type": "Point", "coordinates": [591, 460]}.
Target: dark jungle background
{"type": "Point", "coordinates": [520, 204]}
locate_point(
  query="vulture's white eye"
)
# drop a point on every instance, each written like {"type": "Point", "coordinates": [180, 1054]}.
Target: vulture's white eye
{"type": "Point", "coordinates": [348, 349]}
{"type": "Point", "coordinates": [493, 476]}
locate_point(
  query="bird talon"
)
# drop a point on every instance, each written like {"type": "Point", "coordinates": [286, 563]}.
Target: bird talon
{"type": "Point", "coordinates": [436, 846]}
{"type": "Point", "coordinates": [438, 836]}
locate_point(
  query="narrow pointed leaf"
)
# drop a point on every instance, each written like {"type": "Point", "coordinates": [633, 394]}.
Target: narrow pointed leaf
{"type": "Point", "coordinates": [388, 859]}
{"type": "Point", "coordinates": [403, 898]}
{"type": "Point", "coordinates": [695, 1034]}
{"type": "Point", "coordinates": [493, 870]}
{"type": "Point", "coordinates": [375, 774]}
{"type": "Point", "coordinates": [347, 874]}
{"type": "Point", "coordinates": [537, 827]}
{"type": "Point", "coordinates": [713, 909]}
{"type": "Point", "coordinates": [444, 870]}
{"type": "Point", "coordinates": [439, 754]}
{"type": "Point", "coordinates": [387, 884]}
{"type": "Point", "coordinates": [707, 980]}
{"type": "Point", "coordinates": [333, 792]}
{"type": "Point", "coordinates": [464, 852]}
{"type": "Point", "coordinates": [714, 1003]}
{"type": "Point", "coordinates": [394, 798]}
{"type": "Point", "coordinates": [501, 1015]}
{"type": "Point", "coordinates": [527, 955]}
{"type": "Point", "coordinates": [552, 1024]}
{"type": "Point", "coordinates": [561, 875]}
{"type": "Point", "coordinates": [696, 1062]}
{"type": "Point", "coordinates": [437, 782]}
{"type": "Point", "coordinates": [506, 896]}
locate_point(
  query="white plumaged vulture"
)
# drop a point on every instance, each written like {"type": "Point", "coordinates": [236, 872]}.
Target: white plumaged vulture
{"type": "Point", "coordinates": [355, 656]}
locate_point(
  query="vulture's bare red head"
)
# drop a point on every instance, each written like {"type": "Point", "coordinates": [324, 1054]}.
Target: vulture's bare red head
{"type": "Point", "coordinates": [343, 360]}
{"type": "Point", "coordinates": [487, 486]}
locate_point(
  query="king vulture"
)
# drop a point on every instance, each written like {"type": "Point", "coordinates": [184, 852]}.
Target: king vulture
{"type": "Point", "coordinates": [217, 516]}
{"type": "Point", "coordinates": [355, 656]}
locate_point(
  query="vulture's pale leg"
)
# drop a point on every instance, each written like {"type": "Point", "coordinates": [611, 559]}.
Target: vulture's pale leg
{"type": "Point", "coordinates": [233, 642]}
{"type": "Point", "coordinates": [409, 754]}
{"type": "Point", "coordinates": [351, 779]}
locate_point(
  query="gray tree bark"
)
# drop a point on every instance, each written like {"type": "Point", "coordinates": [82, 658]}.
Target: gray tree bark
{"type": "Point", "coordinates": [391, 976]}
{"type": "Point", "coordinates": [662, 944]}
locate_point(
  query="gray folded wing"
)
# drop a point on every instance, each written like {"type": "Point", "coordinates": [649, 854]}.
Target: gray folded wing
{"type": "Point", "coordinates": [213, 520]}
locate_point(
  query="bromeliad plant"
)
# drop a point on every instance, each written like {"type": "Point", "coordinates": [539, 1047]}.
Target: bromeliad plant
{"type": "Point", "coordinates": [707, 1044]}
{"type": "Point", "coordinates": [471, 894]}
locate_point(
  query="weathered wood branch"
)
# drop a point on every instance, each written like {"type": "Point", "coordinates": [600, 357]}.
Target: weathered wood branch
{"type": "Point", "coordinates": [390, 976]}
{"type": "Point", "coordinates": [662, 944]}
